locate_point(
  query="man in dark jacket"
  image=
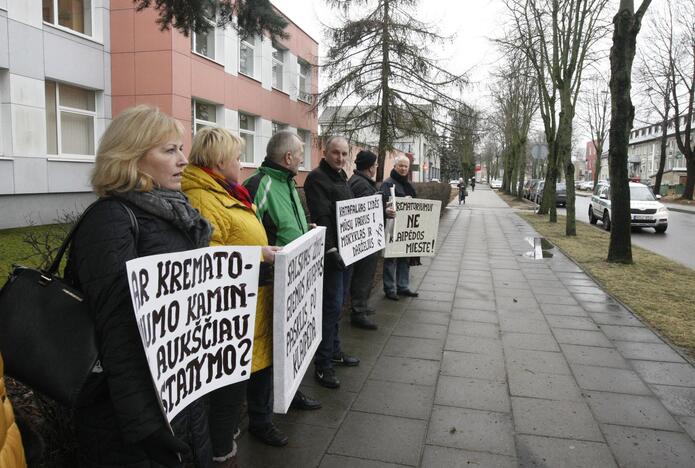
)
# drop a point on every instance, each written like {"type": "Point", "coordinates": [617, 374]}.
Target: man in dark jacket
{"type": "Point", "coordinates": [397, 270]}
{"type": "Point", "coordinates": [324, 186]}
{"type": "Point", "coordinates": [278, 207]}
{"type": "Point", "coordinates": [362, 184]}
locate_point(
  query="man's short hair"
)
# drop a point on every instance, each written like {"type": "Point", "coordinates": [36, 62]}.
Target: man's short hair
{"type": "Point", "coordinates": [281, 143]}
{"type": "Point", "coordinates": [333, 138]}
{"type": "Point", "coordinates": [401, 158]}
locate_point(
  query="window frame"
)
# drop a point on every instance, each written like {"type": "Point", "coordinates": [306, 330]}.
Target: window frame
{"type": "Point", "coordinates": [194, 117]}
{"type": "Point", "coordinates": [213, 30]}
{"type": "Point", "coordinates": [252, 134]}
{"type": "Point", "coordinates": [252, 47]}
{"type": "Point", "coordinates": [306, 165]}
{"type": "Point", "coordinates": [55, 24]}
{"type": "Point", "coordinates": [302, 94]}
{"type": "Point", "coordinates": [72, 110]}
{"type": "Point", "coordinates": [275, 48]}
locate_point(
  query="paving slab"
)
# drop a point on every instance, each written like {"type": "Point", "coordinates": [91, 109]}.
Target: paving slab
{"type": "Point", "coordinates": [379, 437]}
{"type": "Point", "coordinates": [566, 419]}
{"type": "Point", "coordinates": [648, 351]}
{"type": "Point", "coordinates": [395, 399]}
{"type": "Point", "coordinates": [426, 316]}
{"type": "Point", "coordinates": [609, 380]}
{"type": "Point", "coordinates": [525, 383]}
{"type": "Point", "coordinates": [470, 328]}
{"type": "Point", "coordinates": [537, 362]}
{"type": "Point", "coordinates": [469, 429]}
{"type": "Point", "coordinates": [581, 337]}
{"type": "Point", "coordinates": [678, 400]}
{"type": "Point", "coordinates": [530, 341]}
{"type": "Point", "coordinates": [594, 356]}
{"type": "Point", "coordinates": [630, 333]}
{"type": "Point", "coordinates": [636, 411]}
{"type": "Point", "coordinates": [537, 452]}
{"type": "Point", "coordinates": [667, 373]}
{"type": "Point", "coordinates": [470, 393]}
{"type": "Point", "coordinates": [340, 461]}
{"type": "Point", "coordinates": [408, 347]}
{"type": "Point", "coordinates": [571, 322]}
{"type": "Point", "coordinates": [477, 366]}
{"type": "Point", "coordinates": [637, 447]}
{"type": "Point", "coordinates": [406, 370]}
{"type": "Point", "coordinates": [474, 344]}
{"type": "Point", "coordinates": [447, 457]}
{"type": "Point", "coordinates": [416, 329]}
{"type": "Point", "coordinates": [475, 315]}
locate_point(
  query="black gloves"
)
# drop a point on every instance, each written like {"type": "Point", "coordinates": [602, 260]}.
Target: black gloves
{"type": "Point", "coordinates": [162, 447]}
{"type": "Point", "coordinates": [333, 260]}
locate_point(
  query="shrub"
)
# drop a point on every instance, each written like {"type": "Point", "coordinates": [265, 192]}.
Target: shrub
{"type": "Point", "coordinates": [435, 191]}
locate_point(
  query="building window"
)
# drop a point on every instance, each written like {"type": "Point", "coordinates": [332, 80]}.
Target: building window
{"type": "Point", "coordinates": [247, 130]}
{"type": "Point", "coordinates": [304, 85]}
{"type": "Point", "coordinates": [204, 42]}
{"type": "Point", "coordinates": [70, 119]}
{"type": "Point", "coordinates": [305, 136]}
{"type": "Point", "coordinates": [278, 127]}
{"type": "Point", "coordinates": [278, 66]}
{"type": "Point", "coordinates": [247, 47]}
{"type": "Point", "coordinates": [71, 14]}
{"type": "Point", "coordinates": [204, 115]}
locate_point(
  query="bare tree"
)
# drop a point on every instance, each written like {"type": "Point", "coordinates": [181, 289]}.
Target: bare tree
{"type": "Point", "coordinates": [682, 71]}
{"type": "Point", "coordinates": [627, 23]}
{"type": "Point", "coordinates": [597, 100]}
{"type": "Point", "coordinates": [380, 58]}
{"type": "Point", "coordinates": [557, 37]}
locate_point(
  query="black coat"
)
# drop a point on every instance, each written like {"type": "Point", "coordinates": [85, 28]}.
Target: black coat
{"type": "Point", "coordinates": [401, 184]}
{"type": "Point", "coordinates": [323, 187]}
{"type": "Point", "coordinates": [125, 410]}
{"type": "Point", "coordinates": [361, 185]}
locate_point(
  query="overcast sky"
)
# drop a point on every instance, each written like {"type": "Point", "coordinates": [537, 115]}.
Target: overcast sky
{"type": "Point", "coordinates": [471, 23]}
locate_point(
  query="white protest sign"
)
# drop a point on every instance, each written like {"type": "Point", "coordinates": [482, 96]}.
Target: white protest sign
{"type": "Point", "coordinates": [414, 229]}
{"type": "Point", "coordinates": [297, 312]}
{"type": "Point", "coordinates": [196, 312]}
{"type": "Point", "coordinates": [360, 224]}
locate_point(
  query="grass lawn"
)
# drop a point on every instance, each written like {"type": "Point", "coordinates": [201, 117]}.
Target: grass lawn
{"type": "Point", "coordinates": [14, 250]}
{"type": "Point", "coordinates": [657, 289]}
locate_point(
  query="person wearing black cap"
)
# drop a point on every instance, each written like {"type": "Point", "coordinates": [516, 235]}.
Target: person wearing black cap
{"type": "Point", "coordinates": [362, 184]}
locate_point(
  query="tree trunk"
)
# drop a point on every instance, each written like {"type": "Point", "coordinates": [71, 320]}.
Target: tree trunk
{"type": "Point", "coordinates": [597, 163]}
{"type": "Point", "coordinates": [544, 207]}
{"type": "Point", "coordinates": [564, 156]}
{"type": "Point", "coordinates": [690, 180]}
{"type": "Point", "coordinates": [521, 170]}
{"type": "Point", "coordinates": [626, 27]}
{"type": "Point", "coordinates": [662, 153]}
{"type": "Point", "coordinates": [570, 221]}
{"type": "Point", "coordinates": [385, 112]}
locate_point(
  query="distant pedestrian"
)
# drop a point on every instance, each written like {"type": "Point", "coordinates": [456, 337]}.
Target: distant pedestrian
{"type": "Point", "coordinates": [473, 183]}
{"type": "Point", "coordinates": [462, 190]}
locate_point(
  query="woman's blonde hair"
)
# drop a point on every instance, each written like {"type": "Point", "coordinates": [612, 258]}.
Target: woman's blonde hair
{"type": "Point", "coordinates": [129, 137]}
{"type": "Point", "coordinates": [214, 145]}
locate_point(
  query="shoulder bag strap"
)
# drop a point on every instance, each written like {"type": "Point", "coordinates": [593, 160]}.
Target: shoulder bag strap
{"type": "Point", "coordinates": [53, 268]}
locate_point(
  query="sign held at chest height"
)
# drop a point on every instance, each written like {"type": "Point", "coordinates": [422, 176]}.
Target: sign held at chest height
{"type": "Point", "coordinates": [297, 309]}
{"type": "Point", "coordinates": [196, 312]}
{"type": "Point", "coordinates": [360, 224]}
{"type": "Point", "coordinates": [415, 228]}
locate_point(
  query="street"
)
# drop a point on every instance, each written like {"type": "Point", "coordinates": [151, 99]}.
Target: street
{"type": "Point", "coordinates": [676, 243]}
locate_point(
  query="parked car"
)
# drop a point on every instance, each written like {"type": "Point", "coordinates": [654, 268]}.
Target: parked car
{"type": "Point", "coordinates": [454, 183]}
{"type": "Point", "coordinates": [645, 209]}
{"type": "Point", "coordinates": [526, 190]}
{"type": "Point", "coordinates": [560, 193]}
{"type": "Point", "coordinates": [495, 184]}
{"type": "Point", "coordinates": [534, 190]}
{"type": "Point", "coordinates": [587, 185]}
{"type": "Point", "coordinates": [434, 180]}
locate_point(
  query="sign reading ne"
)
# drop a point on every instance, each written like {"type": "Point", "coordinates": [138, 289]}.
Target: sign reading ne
{"type": "Point", "coordinates": [414, 229]}
{"type": "Point", "coordinates": [297, 312]}
{"type": "Point", "coordinates": [360, 227]}
{"type": "Point", "coordinates": [196, 312]}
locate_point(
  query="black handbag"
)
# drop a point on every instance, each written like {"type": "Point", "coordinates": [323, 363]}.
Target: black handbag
{"type": "Point", "coordinates": [47, 335]}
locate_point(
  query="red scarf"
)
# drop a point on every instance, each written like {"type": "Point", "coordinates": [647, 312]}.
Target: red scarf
{"type": "Point", "coordinates": [236, 191]}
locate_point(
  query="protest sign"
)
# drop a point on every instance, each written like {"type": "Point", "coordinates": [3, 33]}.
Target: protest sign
{"type": "Point", "coordinates": [298, 305]}
{"type": "Point", "coordinates": [415, 228]}
{"type": "Point", "coordinates": [196, 312]}
{"type": "Point", "coordinates": [360, 224]}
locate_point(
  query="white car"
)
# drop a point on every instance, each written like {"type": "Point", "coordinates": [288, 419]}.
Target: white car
{"type": "Point", "coordinates": [586, 185]}
{"type": "Point", "coordinates": [645, 210]}
{"type": "Point", "coordinates": [495, 184]}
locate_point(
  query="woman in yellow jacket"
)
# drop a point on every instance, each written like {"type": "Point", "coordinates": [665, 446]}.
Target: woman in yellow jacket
{"type": "Point", "coordinates": [212, 184]}
{"type": "Point", "coordinates": [11, 451]}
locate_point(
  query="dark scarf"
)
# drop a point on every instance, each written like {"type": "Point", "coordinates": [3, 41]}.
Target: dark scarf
{"type": "Point", "coordinates": [173, 206]}
{"type": "Point", "coordinates": [236, 191]}
{"type": "Point", "coordinates": [403, 180]}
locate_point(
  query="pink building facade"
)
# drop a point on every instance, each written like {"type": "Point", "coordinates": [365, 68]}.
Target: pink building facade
{"type": "Point", "coordinates": [590, 160]}
{"type": "Point", "coordinates": [251, 86]}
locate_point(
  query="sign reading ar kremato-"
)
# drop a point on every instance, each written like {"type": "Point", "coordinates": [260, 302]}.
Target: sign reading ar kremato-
{"type": "Point", "coordinates": [196, 312]}
{"type": "Point", "coordinates": [297, 299]}
{"type": "Point", "coordinates": [360, 224]}
{"type": "Point", "coordinates": [414, 229]}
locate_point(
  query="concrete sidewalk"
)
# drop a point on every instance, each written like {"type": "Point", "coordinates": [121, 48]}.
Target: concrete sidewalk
{"type": "Point", "coordinates": [502, 361]}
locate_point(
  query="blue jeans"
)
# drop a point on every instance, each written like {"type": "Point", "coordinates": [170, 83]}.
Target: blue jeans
{"type": "Point", "coordinates": [336, 284]}
{"type": "Point", "coordinates": [396, 274]}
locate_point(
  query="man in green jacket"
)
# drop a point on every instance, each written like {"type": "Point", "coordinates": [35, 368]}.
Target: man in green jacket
{"type": "Point", "coordinates": [278, 207]}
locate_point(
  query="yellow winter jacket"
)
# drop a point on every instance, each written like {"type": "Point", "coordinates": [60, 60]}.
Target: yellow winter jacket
{"type": "Point", "coordinates": [234, 224]}
{"type": "Point", "coordinates": [11, 450]}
